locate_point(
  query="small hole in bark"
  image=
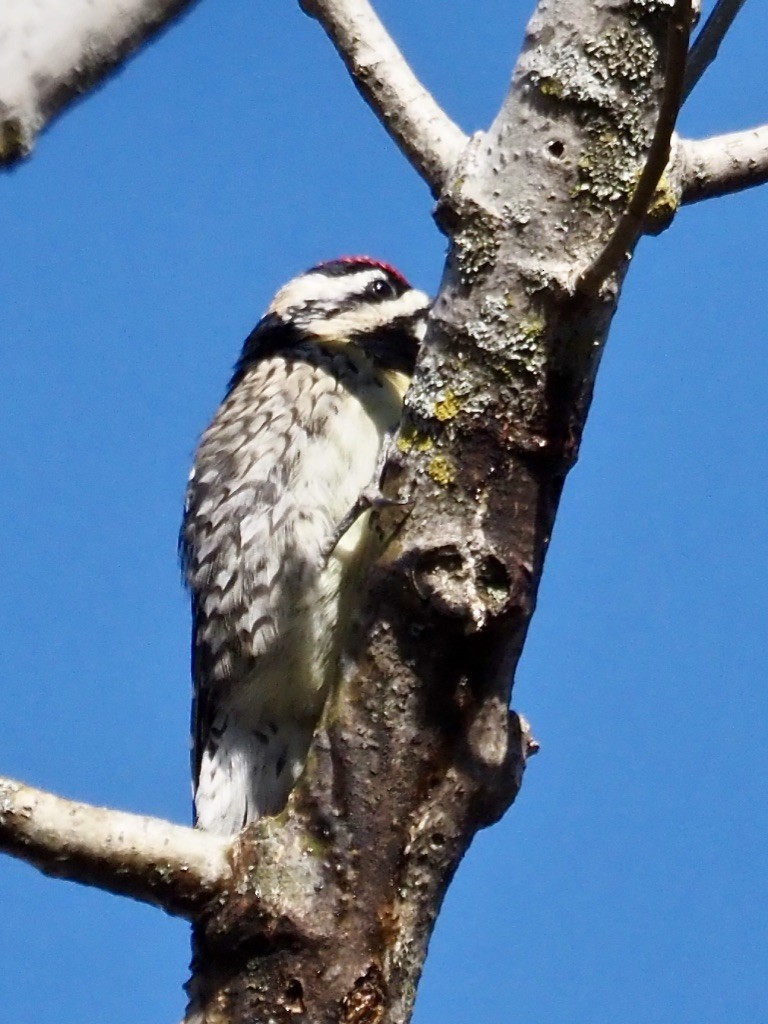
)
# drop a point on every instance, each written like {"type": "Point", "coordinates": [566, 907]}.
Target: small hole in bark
{"type": "Point", "coordinates": [294, 996]}
{"type": "Point", "coordinates": [556, 149]}
{"type": "Point", "coordinates": [446, 559]}
{"type": "Point", "coordinates": [494, 579]}
{"type": "Point", "coordinates": [438, 840]}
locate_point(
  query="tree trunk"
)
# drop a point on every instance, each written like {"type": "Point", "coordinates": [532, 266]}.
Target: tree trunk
{"type": "Point", "coordinates": [334, 901]}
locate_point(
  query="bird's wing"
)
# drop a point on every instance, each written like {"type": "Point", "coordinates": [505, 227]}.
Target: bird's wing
{"type": "Point", "coordinates": [253, 535]}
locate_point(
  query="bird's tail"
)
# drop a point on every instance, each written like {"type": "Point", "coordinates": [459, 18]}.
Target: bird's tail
{"type": "Point", "coordinates": [248, 771]}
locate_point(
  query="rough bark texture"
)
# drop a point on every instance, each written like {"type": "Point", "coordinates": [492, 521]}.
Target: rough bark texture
{"type": "Point", "coordinates": [324, 913]}
{"type": "Point", "coordinates": [419, 750]}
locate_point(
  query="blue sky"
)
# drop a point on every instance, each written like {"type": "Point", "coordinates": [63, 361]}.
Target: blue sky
{"type": "Point", "coordinates": [146, 235]}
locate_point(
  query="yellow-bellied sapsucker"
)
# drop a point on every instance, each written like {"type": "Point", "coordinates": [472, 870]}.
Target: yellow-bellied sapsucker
{"type": "Point", "coordinates": [268, 553]}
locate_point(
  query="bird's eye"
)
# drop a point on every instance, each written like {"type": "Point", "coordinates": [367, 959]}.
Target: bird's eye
{"type": "Point", "coordinates": [381, 289]}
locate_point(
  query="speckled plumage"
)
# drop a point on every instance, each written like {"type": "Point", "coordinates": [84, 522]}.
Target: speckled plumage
{"type": "Point", "coordinates": [289, 451]}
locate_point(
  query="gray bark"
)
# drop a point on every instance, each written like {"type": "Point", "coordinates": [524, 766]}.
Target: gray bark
{"type": "Point", "coordinates": [324, 913]}
{"type": "Point", "coordinates": [418, 751]}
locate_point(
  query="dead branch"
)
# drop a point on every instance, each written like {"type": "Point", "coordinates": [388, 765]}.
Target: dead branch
{"type": "Point", "coordinates": [707, 43]}
{"type": "Point", "coordinates": [423, 131]}
{"type": "Point", "coordinates": [176, 868]}
{"type": "Point", "coordinates": [723, 164]}
{"type": "Point", "coordinates": [55, 50]}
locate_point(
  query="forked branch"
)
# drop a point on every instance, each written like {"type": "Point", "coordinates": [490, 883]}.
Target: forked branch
{"type": "Point", "coordinates": [176, 868]}
{"type": "Point", "coordinates": [420, 127]}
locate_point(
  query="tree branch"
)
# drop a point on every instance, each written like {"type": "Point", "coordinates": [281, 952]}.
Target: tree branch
{"type": "Point", "coordinates": [417, 749]}
{"type": "Point", "coordinates": [176, 868]}
{"type": "Point", "coordinates": [632, 220]}
{"type": "Point", "coordinates": [707, 44]}
{"type": "Point", "coordinates": [723, 164]}
{"type": "Point", "coordinates": [53, 51]}
{"type": "Point", "coordinates": [425, 134]}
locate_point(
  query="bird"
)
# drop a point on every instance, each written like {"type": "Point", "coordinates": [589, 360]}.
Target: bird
{"type": "Point", "coordinates": [276, 533]}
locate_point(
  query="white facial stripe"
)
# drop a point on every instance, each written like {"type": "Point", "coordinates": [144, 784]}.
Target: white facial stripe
{"type": "Point", "coordinates": [420, 329]}
{"type": "Point", "coordinates": [365, 319]}
{"type": "Point", "coordinates": [314, 287]}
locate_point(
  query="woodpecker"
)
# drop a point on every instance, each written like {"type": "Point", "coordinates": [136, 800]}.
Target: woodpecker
{"type": "Point", "coordinates": [272, 545]}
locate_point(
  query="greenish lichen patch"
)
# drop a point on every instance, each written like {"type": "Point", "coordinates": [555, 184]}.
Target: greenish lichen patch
{"type": "Point", "coordinates": [411, 438]}
{"type": "Point", "coordinates": [528, 350]}
{"type": "Point", "coordinates": [476, 245]}
{"type": "Point", "coordinates": [609, 84]}
{"type": "Point", "coordinates": [622, 53]}
{"type": "Point", "coordinates": [453, 379]}
{"type": "Point", "coordinates": [447, 407]}
{"type": "Point", "coordinates": [442, 470]}
{"type": "Point", "coordinates": [566, 74]}
{"type": "Point", "coordinates": [493, 330]}
{"type": "Point", "coordinates": [664, 205]}
{"type": "Point", "coordinates": [315, 847]}
{"type": "Point", "coordinates": [520, 342]}
{"type": "Point", "coordinates": [613, 156]}
{"type": "Point", "coordinates": [516, 214]}
{"type": "Point", "coordinates": [607, 169]}
{"type": "Point", "coordinates": [550, 86]}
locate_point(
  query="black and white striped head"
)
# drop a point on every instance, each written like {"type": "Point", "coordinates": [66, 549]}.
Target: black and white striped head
{"type": "Point", "coordinates": [355, 300]}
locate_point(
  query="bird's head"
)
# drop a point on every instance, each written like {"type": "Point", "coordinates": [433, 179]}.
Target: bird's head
{"type": "Point", "coordinates": [354, 300]}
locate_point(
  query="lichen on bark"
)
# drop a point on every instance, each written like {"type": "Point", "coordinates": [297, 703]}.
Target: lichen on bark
{"type": "Point", "coordinates": [418, 749]}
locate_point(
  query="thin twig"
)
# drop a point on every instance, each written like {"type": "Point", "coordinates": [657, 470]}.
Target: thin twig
{"type": "Point", "coordinates": [631, 223]}
{"type": "Point", "coordinates": [420, 127]}
{"type": "Point", "coordinates": [707, 43]}
{"type": "Point", "coordinates": [723, 164]}
{"type": "Point", "coordinates": [176, 868]}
